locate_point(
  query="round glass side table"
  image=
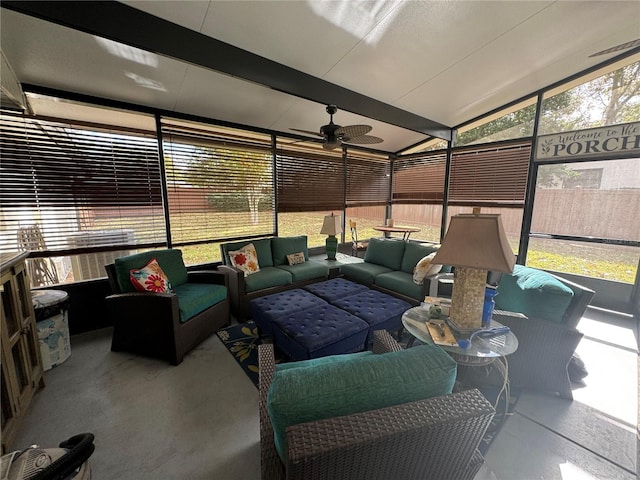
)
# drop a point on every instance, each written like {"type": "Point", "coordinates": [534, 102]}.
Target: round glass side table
{"type": "Point", "coordinates": [483, 351]}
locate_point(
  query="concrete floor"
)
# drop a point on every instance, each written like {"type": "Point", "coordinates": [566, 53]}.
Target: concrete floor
{"type": "Point", "coordinates": [200, 420]}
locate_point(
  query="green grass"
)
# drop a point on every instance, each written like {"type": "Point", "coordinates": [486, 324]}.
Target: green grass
{"type": "Point", "coordinates": [593, 260]}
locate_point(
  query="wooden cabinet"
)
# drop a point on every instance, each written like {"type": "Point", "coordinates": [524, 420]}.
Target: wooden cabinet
{"type": "Point", "coordinates": [21, 366]}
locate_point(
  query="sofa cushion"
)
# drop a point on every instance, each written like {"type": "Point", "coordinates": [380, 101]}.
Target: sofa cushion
{"type": "Point", "coordinates": [387, 253]}
{"type": "Point", "coordinates": [263, 249]}
{"type": "Point", "coordinates": [267, 278]}
{"type": "Point", "coordinates": [170, 260]}
{"type": "Point", "coordinates": [400, 282]}
{"type": "Point", "coordinates": [283, 246]}
{"type": "Point", "coordinates": [363, 272]}
{"type": "Point", "coordinates": [413, 253]}
{"type": "Point", "coordinates": [356, 383]}
{"type": "Point", "coordinates": [534, 293]}
{"type": "Point", "coordinates": [306, 271]}
{"type": "Point", "coordinates": [194, 298]}
{"type": "Point", "coordinates": [314, 362]}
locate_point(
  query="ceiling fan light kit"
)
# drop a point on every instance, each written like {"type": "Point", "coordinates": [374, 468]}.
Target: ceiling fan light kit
{"type": "Point", "coordinates": [335, 135]}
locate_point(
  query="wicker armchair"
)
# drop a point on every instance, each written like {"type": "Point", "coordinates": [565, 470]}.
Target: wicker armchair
{"type": "Point", "coordinates": [434, 438]}
{"type": "Point", "coordinates": [149, 323]}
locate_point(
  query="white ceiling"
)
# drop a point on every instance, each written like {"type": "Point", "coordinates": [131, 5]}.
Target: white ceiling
{"type": "Point", "coordinates": [446, 61]}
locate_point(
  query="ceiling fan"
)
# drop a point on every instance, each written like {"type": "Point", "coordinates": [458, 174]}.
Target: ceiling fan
{"type": "Point", "coordinates": [335, 135]}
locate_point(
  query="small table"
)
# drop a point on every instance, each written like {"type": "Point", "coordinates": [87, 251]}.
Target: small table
{"type": "Point", "coordinates": [334, 265]}
{"type": "Point", "coordinates": [483, 351]}
{"type": "Point", "coordinates": [406, 231]}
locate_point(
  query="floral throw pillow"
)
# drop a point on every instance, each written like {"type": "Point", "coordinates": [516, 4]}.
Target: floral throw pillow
{"type": "Point", "coordinates": [245, 259]}
{"type": "Point", "coordinates": [425, 268]}
{"type": "Point", "coordinates": [150, 278]}
{"type": "Point", "coordinates": [295, 258]}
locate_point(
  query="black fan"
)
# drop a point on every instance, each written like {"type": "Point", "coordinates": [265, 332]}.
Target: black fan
{"type": "Point", "coordinates": [335, 135]}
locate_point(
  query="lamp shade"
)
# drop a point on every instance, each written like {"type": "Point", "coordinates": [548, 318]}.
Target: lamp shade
{"type": "Point", "coordinates": [332, 225]}
{"type": "Point", "coordinates": [476, 241]}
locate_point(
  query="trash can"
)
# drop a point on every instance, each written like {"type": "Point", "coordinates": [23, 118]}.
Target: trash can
{"type": "Point", "coordinates": [51, 309]}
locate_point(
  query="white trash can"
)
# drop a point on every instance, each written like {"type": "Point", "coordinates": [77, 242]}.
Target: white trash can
{"type": "Point", "coordinates": [51, 309]}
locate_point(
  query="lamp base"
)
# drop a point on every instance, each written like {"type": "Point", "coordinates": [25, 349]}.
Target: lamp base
{"type": "Point", "coordinates": [331, 247]}
{"type": "Point", "coordinates": [467, 299]}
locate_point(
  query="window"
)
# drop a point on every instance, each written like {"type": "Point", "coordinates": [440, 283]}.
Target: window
{"type": "Point", "coordinates": [418, 193]}
{"type": "Point", "coordinates": [508, 124]}
{"type": "Point", "coordinates": [219, 186]}
{"type": "Point", "coordinates": [491, 176]}
{"type": "Point", "coordinates": [607, 97]}
{"type": "Point", "coordinates": [309, 178]}
{"type": "Point", "coordinates": [587, 231]}
{"type": "Point", "coordinates": [71, 187]}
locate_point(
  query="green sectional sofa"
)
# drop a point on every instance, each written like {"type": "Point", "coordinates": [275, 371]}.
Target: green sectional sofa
{"type": "Point", "coordinates": [388, 266]}
{"type": "Point", "coordinates": [274, 275]}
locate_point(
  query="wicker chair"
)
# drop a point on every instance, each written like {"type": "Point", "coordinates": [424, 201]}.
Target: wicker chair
{"type": "Point", "coordinates": [434, 438]}
{"type": "Point", "coordinates": [149, 323]}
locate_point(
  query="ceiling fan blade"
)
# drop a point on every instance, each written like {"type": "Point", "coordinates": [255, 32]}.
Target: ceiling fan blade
{"type": "Point", "coordinates": [306, 131]}
{"type": "Point", "coordinates": [363, 140]}
{"type": "Point", "coordinates": [354, 130]}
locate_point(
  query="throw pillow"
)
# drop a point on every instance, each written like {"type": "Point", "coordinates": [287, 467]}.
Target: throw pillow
{"type": "Point", "coordinates": [150, 278]}
{"type": "Point", "coordinates": [245, 259]}
{"type": "Point", "coordinates": [295, 258]}
{"type": "Point", "coordinates": [425, 268]}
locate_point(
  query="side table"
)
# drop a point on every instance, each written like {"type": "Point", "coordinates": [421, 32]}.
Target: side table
{"type": "Point", "coordinates": [334, 265]}
{"type": "Point", "coordinates": [483, 351]}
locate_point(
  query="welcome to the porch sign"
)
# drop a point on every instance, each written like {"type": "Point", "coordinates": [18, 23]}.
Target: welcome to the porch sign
{"type": "Point", "coordinates": [621, 139]}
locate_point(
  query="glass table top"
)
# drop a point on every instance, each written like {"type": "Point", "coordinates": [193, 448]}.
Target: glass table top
{"type": "Point", "coordinates": [415, 321]}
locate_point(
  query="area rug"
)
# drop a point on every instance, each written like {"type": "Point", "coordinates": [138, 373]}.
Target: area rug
{"type": "Point", "coordinates": [242, 341]}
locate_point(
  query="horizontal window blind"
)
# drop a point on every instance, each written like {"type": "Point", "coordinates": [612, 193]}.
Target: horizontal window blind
{"type": "Point", "coordinates": [495, 175]}
{"type": "Point", "coordinates": [368, 180]}
{"type": "Point", "coordinates": [83, 186]}
{"type": "Point", "coordinates": [219, 183]}
{"type": "Point", "coordinates": [419, 179]}
{"type": "Point", "coordinates": [309, 179]}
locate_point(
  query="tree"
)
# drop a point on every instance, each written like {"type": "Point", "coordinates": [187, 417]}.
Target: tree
{"type": "Point", "coordinates": [244, 171]}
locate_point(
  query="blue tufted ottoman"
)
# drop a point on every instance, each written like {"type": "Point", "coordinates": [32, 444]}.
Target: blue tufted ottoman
{"type": "Point", "coordinates": [379, 310]}
{"type": "Point", "coordinates": [266, 309]}
{"type": "Point", "coordinates": [335, 289]}
{"type": "Point", "coordinates": [318, 332]}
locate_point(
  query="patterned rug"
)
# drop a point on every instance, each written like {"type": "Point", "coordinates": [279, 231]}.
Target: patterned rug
{"type": "Point", "coordinates": [242, 342]}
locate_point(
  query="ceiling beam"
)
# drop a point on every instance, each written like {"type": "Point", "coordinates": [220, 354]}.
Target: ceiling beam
{"type": "Point", "coordinates": [124, 24]}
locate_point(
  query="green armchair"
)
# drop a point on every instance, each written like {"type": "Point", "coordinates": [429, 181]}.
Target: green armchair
{"type": "Point", "coordinates": [165, 325]}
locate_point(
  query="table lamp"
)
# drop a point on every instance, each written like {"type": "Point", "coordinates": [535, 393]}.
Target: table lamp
{"type": "Point", "coordinates": [331, 226]}
{"type": "Point", "coordinates": [475, 244]}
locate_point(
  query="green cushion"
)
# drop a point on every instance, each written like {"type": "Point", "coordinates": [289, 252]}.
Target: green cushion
{"type": "Point", "coordinates": [387, 253]}
{"type": "Point", "coordinates": [263, 249]}
{"type": "Point", "coordinates": [534, 293]}
{"type": "Point", "coordinates": [194, 298]}
{"type": "Point", "coordinates": [283, 246]}
{"type": "Point", "coordinates": [170, 260]}
{"type": "Point", "coordinates": [413, 253]}
{"type": "Point", "coordinates": [306, 270]}
{"type": "Point", "coordinates": [401, 282]}
{"type": "Point", "coordinates": [314, 362]}
{"type": "Point", "coordinates": [356, 383]}
{"type": "Point", "coordinates": [266, 278]}
{"type": "Point", "coordinates": [363, 272]}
